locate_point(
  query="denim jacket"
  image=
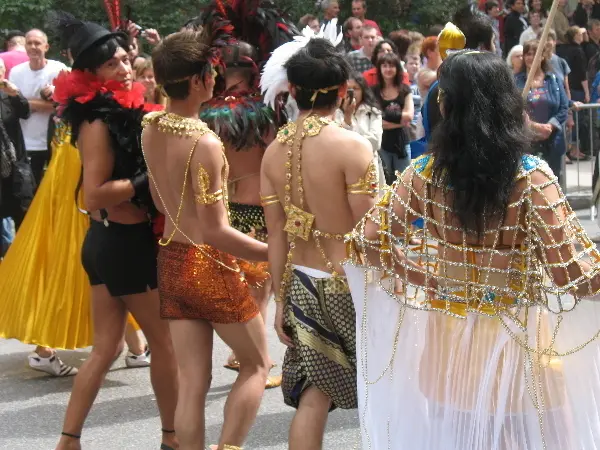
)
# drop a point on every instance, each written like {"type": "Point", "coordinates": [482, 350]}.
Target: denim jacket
{"type": "Point", "coordinates": [558, 103]}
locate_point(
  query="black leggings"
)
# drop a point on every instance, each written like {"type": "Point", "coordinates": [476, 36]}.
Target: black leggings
{"type": "Point", "coordinates": [122, 257]}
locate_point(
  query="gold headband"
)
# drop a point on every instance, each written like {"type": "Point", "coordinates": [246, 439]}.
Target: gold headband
{"type": "Point", "coordinates": [161, 87]}
{"type": "Point", "coordinates": [319, 91]}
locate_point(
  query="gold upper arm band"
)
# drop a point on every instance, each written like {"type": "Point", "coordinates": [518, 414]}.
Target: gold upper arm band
{"type": "Point", "coordinates": [269, 200]}
{"type": "Point", "coordinates": [204, 197]}
{"type": "Point", "coordinates": [366, 185]}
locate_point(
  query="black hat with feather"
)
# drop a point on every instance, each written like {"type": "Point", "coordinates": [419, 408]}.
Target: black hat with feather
{"type": "Point", "coordinates": [79, 36]}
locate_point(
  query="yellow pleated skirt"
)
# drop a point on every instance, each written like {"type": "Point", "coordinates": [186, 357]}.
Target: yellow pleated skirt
{"type": "Point", "coordinates": [44, 291]}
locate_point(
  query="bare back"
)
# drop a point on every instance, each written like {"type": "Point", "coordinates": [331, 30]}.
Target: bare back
{"type": "Point", "coordinates": [244, 174]}
{"type": "Point", "coordinates": [331, 161]}
{"type": "Point", "coordinates": [173, 162]}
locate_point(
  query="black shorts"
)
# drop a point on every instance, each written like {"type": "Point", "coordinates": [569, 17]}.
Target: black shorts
{"type": "Point", "coordinates": [123, 257]}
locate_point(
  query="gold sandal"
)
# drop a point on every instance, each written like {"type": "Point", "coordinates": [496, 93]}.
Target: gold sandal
{"type": "Point", "coordinates": [273, 382]}
{"type": "Point", "coordinates": [235, 365]}
{"type": "Point", "coordinates": [225, 447]}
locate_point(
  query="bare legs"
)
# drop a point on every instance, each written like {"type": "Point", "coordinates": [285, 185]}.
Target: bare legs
{"type": "Point", "coordinates": [134, 342]}
{"type": "Point", "coordinates": [109, 314]}
{"type": "Point", "coordinates": [145, 308]}
{"type": "Point", "coordinates": [308, 426]}
{"type": "Point", "coordinates": [261, 295]}
{"type": "Point", "coordinates": [193, 342]}
{"type": "Point", "coordinates": [193, 347]}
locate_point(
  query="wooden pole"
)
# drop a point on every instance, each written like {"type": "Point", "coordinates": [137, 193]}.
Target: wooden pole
{"type": "Point", "coordinates": [537, 60]}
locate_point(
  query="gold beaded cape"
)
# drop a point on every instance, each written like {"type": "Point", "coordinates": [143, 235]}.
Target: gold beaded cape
{"type": "Point", "coordinates": [502, 353]}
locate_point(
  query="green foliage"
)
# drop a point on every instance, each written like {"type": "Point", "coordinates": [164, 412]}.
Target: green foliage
{"type": "Point", "coordinates": [168, 17]}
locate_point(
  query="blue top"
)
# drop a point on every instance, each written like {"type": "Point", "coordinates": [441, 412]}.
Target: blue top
{"type": "Point", "coordinates": [425, 113]}
{"type": "Point", "coordinates": [557, 102]}
{"type": "Point", "coordinates": [537, 104]}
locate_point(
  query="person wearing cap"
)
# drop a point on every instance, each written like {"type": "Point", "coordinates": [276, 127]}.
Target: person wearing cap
{"type": "Point", "coordinates": [104, 109]}
{"type": "Point", "coordinates": [14, 50]}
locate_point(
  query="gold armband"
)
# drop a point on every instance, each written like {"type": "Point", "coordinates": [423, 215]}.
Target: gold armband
{"type": "Point", "coordinates": [367, 185]}
{"type": "Point", "coordinates": [269, 200]}
{"type": "Point", "coordinates": [205, 197]}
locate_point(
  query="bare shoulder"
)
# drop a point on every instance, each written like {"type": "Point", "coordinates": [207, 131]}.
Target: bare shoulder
{"type": "Point", "coordinates": [92, 134]}
{"type": "Point", "coordinates": [348, 144]}
{"type": "Point", "coordinates": [209, 149]}
{"type": "Point", "coordinates": [208, 141]}
{"type": "Point", "coordinates": [96, 126]}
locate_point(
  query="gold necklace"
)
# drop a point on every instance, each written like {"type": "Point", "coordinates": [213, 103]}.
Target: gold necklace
{"type": "Point", "coordinates": [180, 126]}
{"type": "Point", "coordinates": [171, 123]}
{"type": "Point", "coordinates": [299, 223]}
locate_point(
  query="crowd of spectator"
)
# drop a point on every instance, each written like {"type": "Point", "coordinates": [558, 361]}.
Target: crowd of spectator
{"type": "Point", "coordinates": [391, 79]}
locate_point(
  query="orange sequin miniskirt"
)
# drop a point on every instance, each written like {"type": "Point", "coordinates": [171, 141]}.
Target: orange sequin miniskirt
{"type": "Point", "coordinates": [193, 285]}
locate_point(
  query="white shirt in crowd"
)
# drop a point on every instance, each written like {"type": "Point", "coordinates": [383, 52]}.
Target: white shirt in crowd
{"type": "Point", "coordinates": [528, 35]}
{"type": "Point", "coordinates": [367, 122]}
{"type": "Point", "coordinates": [30, 83]}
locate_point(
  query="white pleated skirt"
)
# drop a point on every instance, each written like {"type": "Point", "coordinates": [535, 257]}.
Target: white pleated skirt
{"type": "Point", "coordinates": [431, 381]}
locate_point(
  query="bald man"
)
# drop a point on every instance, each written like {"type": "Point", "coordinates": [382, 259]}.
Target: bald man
{"type": "Point", "coordinates": [34, 80]}
{"type": "Point", "coordinates": [15, 53]}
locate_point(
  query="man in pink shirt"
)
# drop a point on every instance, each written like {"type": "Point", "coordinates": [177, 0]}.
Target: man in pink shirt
{"type": "Point", "coordinates": [359, 10]}
{"type": "Point", "coordinates": [14, 53]}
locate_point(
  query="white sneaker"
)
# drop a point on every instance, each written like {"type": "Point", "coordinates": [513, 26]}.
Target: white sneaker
{"type": "Point", "coordinates": [52, 365]}
{"type": "Point", "coordinates": [134, 361]}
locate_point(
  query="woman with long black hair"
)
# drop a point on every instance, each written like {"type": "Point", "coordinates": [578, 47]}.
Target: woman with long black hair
{"type": "Point", "coordinates": [104, 108]}
{"type": "Point", "coordinates": [490, 341]}
{"type": "Point", "coordinates": [396, 104]}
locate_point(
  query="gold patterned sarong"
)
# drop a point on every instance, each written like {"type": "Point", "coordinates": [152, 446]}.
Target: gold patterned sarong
{"type": "Point", "coordinates": [320, 320]}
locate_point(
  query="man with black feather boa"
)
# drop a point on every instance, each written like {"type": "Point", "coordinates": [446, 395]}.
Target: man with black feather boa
{"type": "Point", "coordinates": [104, 108]}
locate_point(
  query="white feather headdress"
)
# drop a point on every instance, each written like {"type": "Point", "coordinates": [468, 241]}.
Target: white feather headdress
{"type": "Point", "coordinates": [273, 80]}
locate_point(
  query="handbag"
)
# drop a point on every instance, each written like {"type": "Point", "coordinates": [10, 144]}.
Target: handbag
{"type": "Point", "coordinates": [8, 154]}
{"type": "Point", "coordinates": [19, 185]}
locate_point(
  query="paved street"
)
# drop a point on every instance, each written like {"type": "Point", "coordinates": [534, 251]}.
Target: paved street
{"type": "Point", "coordinates": [124, 415]}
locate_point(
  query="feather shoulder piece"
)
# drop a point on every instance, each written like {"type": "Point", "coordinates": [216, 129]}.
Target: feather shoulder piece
{"type": "Point", "coordinates": [274, 79]}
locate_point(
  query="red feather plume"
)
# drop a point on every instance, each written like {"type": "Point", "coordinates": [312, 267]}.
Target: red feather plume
{"type": "Point", "coordinates": [113, 10]}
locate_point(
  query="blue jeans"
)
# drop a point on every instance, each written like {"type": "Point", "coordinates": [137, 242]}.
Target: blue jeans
{"type": "Point", "coordinates": [7, 234]}
{"type": "Point", "coordinates": [394, 163]}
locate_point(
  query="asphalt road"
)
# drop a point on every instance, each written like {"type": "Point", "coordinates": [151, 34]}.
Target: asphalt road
{"type": "Point", "coordinates": [124, 416]}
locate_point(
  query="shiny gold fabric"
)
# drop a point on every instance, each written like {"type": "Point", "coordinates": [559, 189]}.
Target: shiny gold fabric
{"type": "Point", "coordinates": [44, 291]}
{"type": "Point", "coordinates": [250, 220]}
{"type": "Point", "coordinates": [193, 285]}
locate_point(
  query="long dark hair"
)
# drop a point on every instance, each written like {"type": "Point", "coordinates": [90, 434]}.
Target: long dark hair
{"type": "Point", "coordinates": [377, 49]}
{"type": "Point", "coordinates": [394, 60]}
{"type": "Point", "coordinates": [481, 138]}
{"type": "Point", "coordinates": [368, 98]}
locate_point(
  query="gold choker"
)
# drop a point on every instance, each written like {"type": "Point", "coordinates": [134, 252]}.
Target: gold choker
{"type": "Point", "coordinates": [172, 123]}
